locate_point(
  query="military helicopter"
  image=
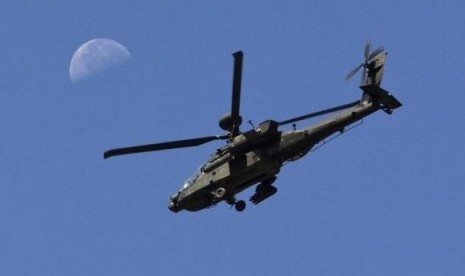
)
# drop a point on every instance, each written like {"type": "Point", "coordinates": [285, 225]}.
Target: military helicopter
{"type": "Point", "coordinates": [255, 157]}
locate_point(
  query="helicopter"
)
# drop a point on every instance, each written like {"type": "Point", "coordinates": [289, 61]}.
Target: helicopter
{"type": "Point", "coordinates": [255, 157]}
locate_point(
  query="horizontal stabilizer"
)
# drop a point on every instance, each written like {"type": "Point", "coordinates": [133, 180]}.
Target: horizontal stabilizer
{"type": "Point", "coordinates": [382, 96]}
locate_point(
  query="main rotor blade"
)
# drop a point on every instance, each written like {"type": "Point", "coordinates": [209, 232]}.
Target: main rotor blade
{"type": "Point", "coordinates": [236, 89]}
{"type": "Point", "coordinates": [319, 113]}
{"type": "Point", "coordinates": [163, 146]}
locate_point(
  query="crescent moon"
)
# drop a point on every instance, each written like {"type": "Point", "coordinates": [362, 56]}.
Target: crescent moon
{"type": "Point", "coordinates": [96, 56]}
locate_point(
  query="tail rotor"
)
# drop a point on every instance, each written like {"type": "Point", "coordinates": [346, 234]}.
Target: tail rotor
{"type": "Point", "coordinates": [370, 63]}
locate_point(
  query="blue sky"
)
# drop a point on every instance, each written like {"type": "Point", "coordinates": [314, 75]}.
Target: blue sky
{"type": "Point", "coordinates": [387, 198]}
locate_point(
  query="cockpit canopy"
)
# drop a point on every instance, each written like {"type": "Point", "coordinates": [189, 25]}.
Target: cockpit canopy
{"type": "Point", "coordinates": [189, 181]}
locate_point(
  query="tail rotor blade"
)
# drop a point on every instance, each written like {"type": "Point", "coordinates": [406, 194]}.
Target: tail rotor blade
{"type": "Point", "coordinates": [353, 72]}
{"type": "Point", "coordinates": [367, 50]}
{"type": "Point", "coordinates": [375, 53]}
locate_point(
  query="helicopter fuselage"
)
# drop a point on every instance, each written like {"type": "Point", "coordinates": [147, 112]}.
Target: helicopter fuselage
{"type": "Point", "coordinates": [256, 156]}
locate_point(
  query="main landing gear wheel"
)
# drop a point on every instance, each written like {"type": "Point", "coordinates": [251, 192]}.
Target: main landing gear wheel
{"type": "Point", "coordinates": [240, 206]}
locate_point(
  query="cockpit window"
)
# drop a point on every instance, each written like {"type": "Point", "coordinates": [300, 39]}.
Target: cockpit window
{"type": "Point", "coordinates": [191, 179]}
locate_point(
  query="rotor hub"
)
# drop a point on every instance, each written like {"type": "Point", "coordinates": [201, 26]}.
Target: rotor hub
{"type": "Point", "coordinates": [228, 123]}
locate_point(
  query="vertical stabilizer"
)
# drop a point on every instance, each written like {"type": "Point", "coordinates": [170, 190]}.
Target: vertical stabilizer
{"type": "Point", "coordinates": [373, 69]}
{"type": "Point", "coordinates": [373, 72]}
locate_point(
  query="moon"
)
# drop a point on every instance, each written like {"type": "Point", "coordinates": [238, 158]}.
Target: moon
{"type": "Point", "coordinates": [95, 56]}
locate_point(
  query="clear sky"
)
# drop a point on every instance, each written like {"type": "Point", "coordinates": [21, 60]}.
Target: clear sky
{"type": "Point", "coordinates": [387, 198]}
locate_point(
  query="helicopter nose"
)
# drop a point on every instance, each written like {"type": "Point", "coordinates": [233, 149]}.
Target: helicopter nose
{"type": "Point", "coordinates": [173, 207]}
